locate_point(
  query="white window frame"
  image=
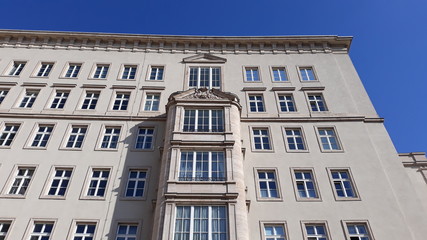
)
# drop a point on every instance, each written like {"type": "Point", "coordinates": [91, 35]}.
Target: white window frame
{"type": "Point", "coordinates": [157, 75]}
{"type": "Point", "coordinates": [52, 177]}
{"type": "Point", "coordinates": [251, 71]}
{"type": "Point", "coordinates": [122, 100]}
{"type": "Point", "coordinates": [305, 181]}
{"type": "Point", "coordinates": [257, 103]}
{"type": "Point", "coordinates": [61, 99]}
{"type": "Point", "coordinates": [127, 235]}
{"type": "Point", "coordinates": [36, 132]}
{"type": "Point", "coordinates": [287, 102]}
{"type": "Point", "coordinates": [294, 137]}
{"type": "Point", "coordinates": [346, 223]}
{"type": "Point", "coordinates": [144, 136]}
{"type": "Point", "coordinates": [196, 120]}
{"type": "Point", "coordinates": [11, 71]}
{"type": "Point", "coordinates": [4, 221]}
{"type": "Point", "coordinates": [14, 175]}
{"type": "Point", "coordinates": [264, 224]}
{"type": "Point", "coordinates": [273, 69]}
{"type": "Point", "coordinates": [210, 86]}
{"type": "Point", "coordinates": [150, 103]}
{"type": "Point", "coordinates": [3, 94]}
{"type": "Point", "coordinates": [43, 72]}
{"type": "Point", "coordinates": [183, 173]}
{"type": "Point", "coordinates": [9, 134]}
{"type": "Point", "coordinates": [136, 180]}
{"type": "Point", "coordinates": [102, 72]}
{"type": "Point", "coordinates": [350, 180]}
{"type": "Point", "coordinates": [90, 99]}
{"type": "Point", "coordinates": [316, 102]}
{"type": "Point", "coordinates": [103, 134]}
{"type": "Point", "coordinates": [28, 94]}
{"type": "Point", "coordinates": [270, 139]}
{"type": "Point", "coordinates": [258, 181]}
{"type": "Point", "coordinates": [101, 178]}
{"type": "Point", "coordinates": [317, 236]}
{"type": "Point", "coordinates": [69, 133]}
{"type": "Point", "coordinates": [30, 232]}
{"type": "Point", "coordinates": [299, 68]}
{"type": "Point", "coordinates": [319, 139]}
{"type": "Point", "coordinates": [84, 235]}
{"type": "Point", "coordinates": [127, 77]}
{"type": "Point", "coordinates": [73, 71]}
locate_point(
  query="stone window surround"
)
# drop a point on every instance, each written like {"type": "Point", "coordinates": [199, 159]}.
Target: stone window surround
{"type": "Point", "coordinates": [49, 179]}
{"type": "Point", "coordinates": [278, 186]}
{"type": "Point", "coordinates": [315, 182]}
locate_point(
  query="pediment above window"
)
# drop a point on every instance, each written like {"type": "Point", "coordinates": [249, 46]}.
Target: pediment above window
{"type": "Point", "coordinates": [204, 58]}
{"type": "Point", "coordinates": [203, 94]}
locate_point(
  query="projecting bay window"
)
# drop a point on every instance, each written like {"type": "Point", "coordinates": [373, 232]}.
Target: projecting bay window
{"type": "Point", "coordinates": [202, 166]}
{"type": "Point", "coordinates": [198, 120]}
{"type": "Point", "coordinates": [205, 77]}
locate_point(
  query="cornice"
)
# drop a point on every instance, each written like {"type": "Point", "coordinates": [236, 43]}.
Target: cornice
{"type": "Point", "coordinates": [174, 44]}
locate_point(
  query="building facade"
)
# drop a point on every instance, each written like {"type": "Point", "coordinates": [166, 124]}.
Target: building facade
{"type": "Point", "coordinates": [114, 136]}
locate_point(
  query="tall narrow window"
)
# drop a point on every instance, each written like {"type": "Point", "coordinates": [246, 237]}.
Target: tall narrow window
{"type": "Point", "coordinates": [60, 181]}
{"type": "Point", "coordinates": [42, 136]}
{"type": "Point", "coordinates": [98, 182]}
{"type": "Point", "coordinates": [29, 98]}
{"type": "Point", "coordinates": [90, 100]}
{"type": "Point", "coordinates": [152, 102]}
{"type": "Point", "coordinates": [256, 103]}
{"type": "Point", "coordinates": [76, 137]}
{"type": "Point", "coordinates": [252, 74]}
{"type": "Point", "coordinates": [101, 71]}
{"type": "Point", "coordinates": [45, 69]}
{"type": "Point", "coordinates": [201, 222]}
{"type": "Point", "coordinates": [21, 180]}
{"type": "Point", "coordinates": [73, 70]}
{"type": "Point", "coordinates": [126, 231]}
{"type": "Point", "coordinates": [202, 166]}
{"type": "Point", "coordinates": [274, 232]}
{"type": "Point", "coordinates": [122, 101]}
{"type": "Point", "coordinates": [205, 77]}
{"type": "Point", "coordinates": [199, 120]}
{"type": "Point", "coordinates": [317, 104]}
{"type": "Point", "coordinates": [110, 137]}
{"type": "Point", "coordinates": [8, 134]}
{"type": "Point", "coordinates": [294, 139]}
{"type": "Point", "coordinates": [16, 68]}
{"type": "Point", "coordinates": [328, 139]}
{"type": "Point", "coordinates": [144, 139]}
{"type": "Point", "coordinates": [41, 231]}
{"type": "Point", "coordinates": [84, 231]}
{"type": "Point", "coordinates": [307, 74]}
{"type": "Point", "coordinates": [261, 139]}
{"type": "Point", "coordinates": [3, 93]}
{"type": "Point", "coordinates": [343, 184]}
{"type": "Point", "coordinates": [279, 74]}
{"type": "Point", "coordinates": [358, 231]}
{"type": "Point", "coordinates": [267, 184]}
{"type": "Point", "coordinates": [60, 99]}
{"type": "Point", "coordinates": [305, 184]}
{"type": "Point", "coordinates": [316, 232]}
{"type": "Point", "coordinates": [156, 73]}
{"type": "Point", "coordinates": [287, 103]}
{"type": "Point", "coordinates": [129, 72]}
{"type": "Point", "coordinates": [136, 183]}
{"type": "Point", "coordinates": [4, 229]}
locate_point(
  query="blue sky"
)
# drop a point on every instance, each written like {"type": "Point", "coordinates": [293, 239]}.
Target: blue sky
{"type": "Point", "coordinates": [388, 50]}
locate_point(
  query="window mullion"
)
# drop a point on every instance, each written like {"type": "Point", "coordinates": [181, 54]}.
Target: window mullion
{"type": "Point", "coordinates": [193, 172]}
{"type": "Point", "coordinates": [191, 222]}
{"type": "Point", "coordinates": [198, 76]}
{"type": "Point", "coordinates": [210, 77]}
{"type": "Point", "coordinates": [210, 223]}
{"type": "Point", "coordinates": [210, 166]}
{"type": "Point", "coordinates": [196, 120]}
{"type": "Point", "coordinates": [210, 120]}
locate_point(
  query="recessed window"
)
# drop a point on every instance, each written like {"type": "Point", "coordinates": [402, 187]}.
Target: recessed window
{"type": "Point", "coordinates": [29, 98]}
{"type": "Point", "coordinates": [203, 120]}
{"type": "Point", "coordinates": [252, 74]}
{"type": "Point", "coordinates": [274, 232]}
{"type": "Point", "coordinates": [60, 181]}
{"type": "Point", "coordinates": [101, 71]}
{"type": "Point", "coordinates": [279, 74]}
{"type": "Point", "coordinates": [98, 183]}
{"type": "Point", "coordinates": [315, 231]}
{"type": "Point", "coordinates": [3, 93]}
{"type": "Point", "coordinates": [358, 231]}
{"type": "Point", "coordinates": [202, 166]}
{"type": "Point", "coordinates": [152, 102]}
{"type": "Point", "coordinates": [42, 135]}
{"type": "Point", "coordinates": [59, 99]}
{"type": "Point", "coordinates": [73, 70]}
{"type": "Point", "coordinates": [294, 139]}
{"type": "Point", "coordinates": [205, 77]}
{"type": "Point", "coordinates": [121, 101]}
{"type": "Point", "coordinates": [129, 72]}
{"type": "Point", "coordinates": [267, 184]}
{"type": "Point", "coordinates": [261, 139]}
{"type": "Point", "coordinates": [76, 137]}
{"type": "Point", "coordinates": [343, 184]}
{"type": "Point", "coordinates": [21, 181]}
{"type": "Point", "coordinates": [90, 100]}
{"type": "Point", "coordinates": [110, 137]}
{"type": "Point", "coordinates": [84, 231]}
{"type": "Point", "coordinates": [45, 69]}
{"type": "Point", "coordinates": [144, 138]}
{"type": "Point", "coordinates": [307, 74]}
{"type": "Point", "coordinates": [256, 103]}
{"type": "Point", "coordinates": [286, 102]}
{"type": "Point", "coordinates": [16, 68]}
{"type": "Point", "coordinates": [41, 231]}
{"type": "Point", "coordinates": [305, 185]}
{"type": "Point", "coordinates": [156, 73]}
{"type": "Point", "coordinates": [4, 229]}
{"type": "Point", "coordinates": [136, 183]}
{"type": "Point", "coordinates": [8, 134]}
{"type": "Point", "coordinates": [126, 231]}
{"type": "Point", "coordinates": [328, 139]}
{"type": "Point", "coordinates": [317, 103]}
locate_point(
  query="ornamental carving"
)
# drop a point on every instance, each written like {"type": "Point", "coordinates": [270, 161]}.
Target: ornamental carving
{"type": "Point", "coordinates": [202, 94]}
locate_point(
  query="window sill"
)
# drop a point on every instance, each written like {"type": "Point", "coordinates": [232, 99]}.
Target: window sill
{"type": "Point", "coordinates": [47, 197]}
{"type": "Point", "coordinates": [13, 196]}
{"type": "Point", "coordinates": [344, 199]}
{"type": "Point", "coordinates": [133, 198]}
{"type": "Point", "coordinates": [107, 149]}
{"type": "Point", "coordinates": [260, 199]}
{"type": "Point", "coordinates": [92, 198]}
{"type": "Point", "coordinates": [308, 199]}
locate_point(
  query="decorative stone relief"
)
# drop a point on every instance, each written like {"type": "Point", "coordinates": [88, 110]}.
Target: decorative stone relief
{"type": "Point", "coordinates": [202, 93]}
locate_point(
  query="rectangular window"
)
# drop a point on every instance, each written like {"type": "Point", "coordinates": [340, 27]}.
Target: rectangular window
{"type": "Point", "coordinates": [261, 139]}
{"type": "Point", "coordinates": [328, 139]}
{"type": "Point", "coordinates": [4, 229]}
{"type": "Point", "coordinates": [29, 98]}
{"type": "Point", "coordinates": [343, 184]}
{"type": "Point", "coordinates": [98, 183]}
{"type": "Point", "coordinates": [274, 232]}
{"type": "Point", "coordinates": [152, 102]}
{"type": "Point", "coordinates": [3, 93]}
{"type": "Point", "coordinates": [41, 231]}
{"type": "Point", "coordinates": [205, 77]}
{"type": "Point", "coordinates": [121, 101]}
{"type": "Point", "coordinates": [110, 137]}
{"type": "Point", "coordinates": [129, 72]}
{"type": "Point", "coordinates": [16, 68]}
{"type": "Point", "coordinates": [42, 136]}
{"type": "Point", "coordinates": [317, 103]}
{"type": "Point", "coordinates": [73, 70]}
{"type": "Point", "coordinates": [256, 103]}
{"type": "Point", "coordinates": [208, 120]}
{"type": "Point", "coordinates": [267, 184]}
{"type": "Point", "coordinates": [144, 139]}
{"type": "Point", "coordinates": [101, 71]}
{"type": "Point", "coordinates": [45, 69]}
{"type": "Point", "coordinates": [307, 74]}
{"type": "Point", "coordinates": [316, 231]}
{"type": "Point", "coordinates": [60, 180]}
{"type": "Point", "coordinates": [136, 183]}
{"type": "Point", "coordinates": [21, 181]}
{"type": "Point", "coordinates": [358, 231]}
{"type": "Point", "coordinates": [76, 137]}
{"type": "Point", "coordinates": [156, 73]}
{"type": "Point", "coordinates": [8, 134]}
{"type": "Point", "coordinates": [279, 74]}
{"type": "Point", "coordinates": [202, 166]}
{"type": "Point", "coordinates": [252, 74]}
{"type": "Point", "coordinates": [295, 139]}
{"type": "Point", "coordinates": [90, 100]}
{"type": "Point", "coordinates": [286, 102]}
{"type": "Point", "coordinates": [126, 231]}
{"type": "Point", "coordinates": [305, 184]}
{"type": "Point", "coordinates": [59, 99]}
{"type": "Point", "coordinates": [84, 231]}
{"type": "Point", "coordinates": [201, 222]}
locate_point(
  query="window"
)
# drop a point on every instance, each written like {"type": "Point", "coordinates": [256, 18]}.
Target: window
{"type": "Point", "coordinates": [317, 104]}
{"type": "Point", "coordinates": [84, 231]}
{"type": "Point", "coordinates": [343, 184]}
{"type": "Point", "coordinates": [16, 68]}
{"type": "Point", "coordinates": [305, 185]}
{"type": "Point", "coordinates": [252, 74]}
{"type": "Point", "coordinates": [42, 136]}
{"type": "Point", "coordinates": [261, 139]}
{"type": "Point", "coordinates": [73, 70]}
{"type": "Point", "coordinates": [101, 71]}
{"type": "Point", "coordinates": [4, 229]}
{"type": "Point", "coordinates": [328, 139]}
{"type": "Point", "coordinates": [90, 100]}
{"type": "Point", "coordinates": [294, 139]}
{"type": "Point", "coordinates": [21, 181]}
{"type": "Point", "coordinates": [76, 137]}
{"type": "Point", "coordinates": [358, 231]}
{"type": "Point", "coordinates": [110, 137]}
{"type": "Point", "coordinates": [307, 74]}
{"type": "Point", "coordinates": [205, 77]}
{"type": "Point", "coordinates": [59, 99]}
{"type": "Point", "coordinates": [45, 69]}
{"type": "Point", "coordinates": [122, 101]}
{"type": "Point", "coordinates": [286, 103]}
{"type": "Point", "coordinates": [98, 182]}
{"type": "Point", "coordinates": [256, 103]}
{"type": "Point", "coordinates": [136, 183]}
{"type": "Point", "coordinates": [267, 184]}
{"type": "Point", "coordinates": [316, 231]}
{"type": "Point", "coordinates": [202, 166]}
{"type": "Point", "coordinates": [41, 231]}
{"type": "Point", "coordinates": [201, 222]}
{"type": "Point", "coordinates": [29, 98]}
{"type": "Point", "coordinates": [8, 134]}
{"type": "Point", "coordinates": [274, 232]}
{"type": "Point", "coordinates": [60, 180]}
{"type": "Point", "coordinates": [144, 139]}
{"type": "Point", "coordinates": [152, 102]}
{"type": "Point", "coordinates": [129, 72]}
{"type": "Point", "coordinates": [279, 74]}
{"type": "Point", "coordinates": [3, 93]}
{"type": "Point", "coordinates": [126, 231]}
{"type": "Point", "coordinates": [207, 120]}
{"type": "Point", "coordinates": [156, 73]}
